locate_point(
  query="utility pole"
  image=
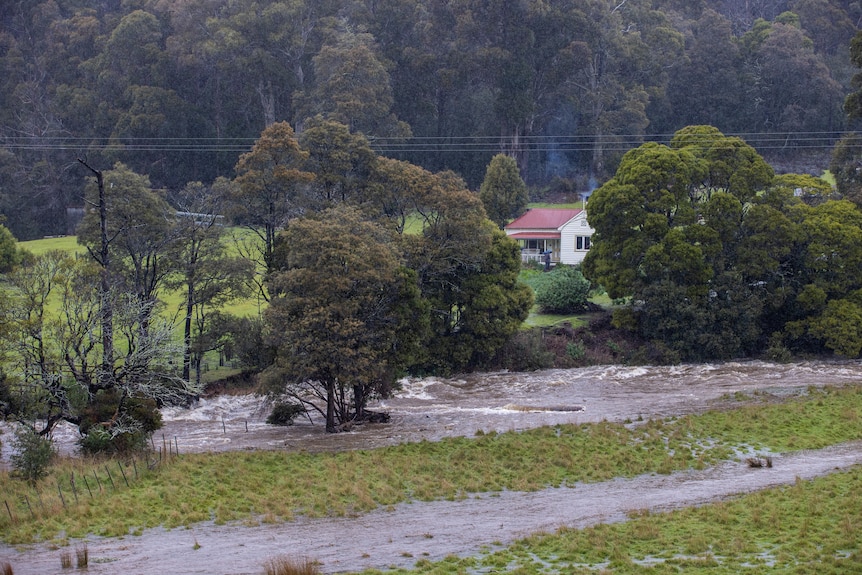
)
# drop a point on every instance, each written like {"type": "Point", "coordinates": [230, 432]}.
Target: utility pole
{"type": "Point", "coordinates": [103, 258]}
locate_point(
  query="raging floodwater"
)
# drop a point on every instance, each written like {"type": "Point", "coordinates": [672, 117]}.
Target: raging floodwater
{"type": "Point", "coordinates": [433, 408]}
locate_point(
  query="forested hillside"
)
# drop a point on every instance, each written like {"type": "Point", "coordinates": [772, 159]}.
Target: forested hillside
{"type": "Point", "coordinates": [178, 89]}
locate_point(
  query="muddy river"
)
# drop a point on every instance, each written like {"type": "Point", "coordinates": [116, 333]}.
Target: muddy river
{"type": "Point", "coordinates": [433, 408]}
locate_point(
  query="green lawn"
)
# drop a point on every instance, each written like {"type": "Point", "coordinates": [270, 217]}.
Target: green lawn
{"type": "Point", "coordinates": [172, 300]}
{"type": "Point", "coordinates": [568, 206]}
{"type": "Point", "coordinates": [537, 319]}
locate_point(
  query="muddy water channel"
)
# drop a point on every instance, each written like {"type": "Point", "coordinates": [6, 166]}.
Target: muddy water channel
{"type": "Point", "coordinates": [433, 408]}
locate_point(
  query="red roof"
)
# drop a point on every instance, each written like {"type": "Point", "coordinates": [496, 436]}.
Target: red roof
{"type": "Point", "coordinates": [536, 236]}
{"type": "Point", "coordinates": [543, 218]}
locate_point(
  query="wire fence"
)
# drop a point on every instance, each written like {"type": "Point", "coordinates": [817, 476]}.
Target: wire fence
{"type": "Point", "coordinates": [84, 483]}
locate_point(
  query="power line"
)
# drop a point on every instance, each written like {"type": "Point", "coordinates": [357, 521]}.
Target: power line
{"type": "Point", "coordinates": [432, 144]}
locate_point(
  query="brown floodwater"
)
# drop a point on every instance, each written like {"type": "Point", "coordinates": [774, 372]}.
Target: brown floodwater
{"type": "Point", "coordinates": [433, 408]}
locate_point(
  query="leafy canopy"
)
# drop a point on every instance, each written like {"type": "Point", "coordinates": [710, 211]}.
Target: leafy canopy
{"type": "Point", "coordinates": [718, 255]}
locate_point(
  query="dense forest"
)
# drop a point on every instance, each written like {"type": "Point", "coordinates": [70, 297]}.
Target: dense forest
{"type": "Point", "coordinates": [179, 89]}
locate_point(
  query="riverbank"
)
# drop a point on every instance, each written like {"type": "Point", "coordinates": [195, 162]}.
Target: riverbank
{"type": "Point", "coordinates": [262, 489]}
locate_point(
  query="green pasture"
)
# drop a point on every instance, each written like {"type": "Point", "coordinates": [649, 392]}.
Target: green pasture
{"type": "Point", "coordinates": [62, 243]}
{"type": "Point", "coordinates": [538, 319]}
{"type": "Point", "coordinates": [172, 301]}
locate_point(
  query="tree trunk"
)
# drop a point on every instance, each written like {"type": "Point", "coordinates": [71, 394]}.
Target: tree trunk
{"type": "Point", "coordinates": [359, 401]}
{"type": "Point", "coordinates": [331, 426]}
{"type": "Point", "coordinates": [267, 102]}
{"type": "Point", "coordinates": [187, 334]}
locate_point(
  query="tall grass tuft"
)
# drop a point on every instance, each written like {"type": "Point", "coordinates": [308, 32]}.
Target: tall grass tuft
{"type": "Point", "coordinates": [283, 565]}
{"type": "Point", "coordinates": [66, 559]}
{"type": "Point", "coordinates": [82, 555]}
{"type": "Point", "coordinates": [6, 568]}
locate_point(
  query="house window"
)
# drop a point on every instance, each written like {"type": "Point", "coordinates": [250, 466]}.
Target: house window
{"type": "Point", "coordinates": [582, 243]}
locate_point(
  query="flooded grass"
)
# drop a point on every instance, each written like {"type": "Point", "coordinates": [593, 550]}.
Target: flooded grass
{"type": "Point", "coordinates": [277, 486]}
{"type": "Point", "coordinates": [809, 527]}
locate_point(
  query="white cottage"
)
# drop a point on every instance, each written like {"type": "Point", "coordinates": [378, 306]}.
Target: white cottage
{"type": "Point", "coordinates": [564, 233]}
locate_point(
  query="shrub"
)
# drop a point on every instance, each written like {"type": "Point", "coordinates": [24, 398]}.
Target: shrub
{"type": "Point", "coordinates": [33, 455]}
{"type": "Point", "coordinates": [777, 351]}
{"type": "Point", "coordinates": [525, 351]}
{"type": "Point", "coordinates": [564, 291]}
{"type": "Point", "coordinates": [284, 413]}
{"type": "Point", "coordinates": [112, 425]}
{"type": "Point", "coordinates": [96, 440]}
{"type": "Point", "coordinates": [575, 351]}
{"type": "Point", "coordinates": [101, 439]}
{"type": "Point", "coordinates": [246, 343]}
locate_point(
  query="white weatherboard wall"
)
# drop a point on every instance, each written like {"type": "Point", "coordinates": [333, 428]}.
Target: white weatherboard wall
{"type": "Point", "coordinates": [569, 232]}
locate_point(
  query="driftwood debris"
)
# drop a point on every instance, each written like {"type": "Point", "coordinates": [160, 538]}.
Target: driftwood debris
{"type": "Point", "coordinates": [367, 417]}
{"type": "Point", "coordinates": [759, 461]}
{"type": "Point", "coordinates": [375, 417]}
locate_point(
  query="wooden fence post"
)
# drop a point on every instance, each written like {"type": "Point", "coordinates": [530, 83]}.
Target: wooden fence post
{"type": "Point", "coordinates": [123, 472]}
{"type": "Point", "coordinates": [111, 479]}
{"type": "Point", "coordinates": [74, 490]}
{"type": "Point", "coordinates": [27, 500]}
